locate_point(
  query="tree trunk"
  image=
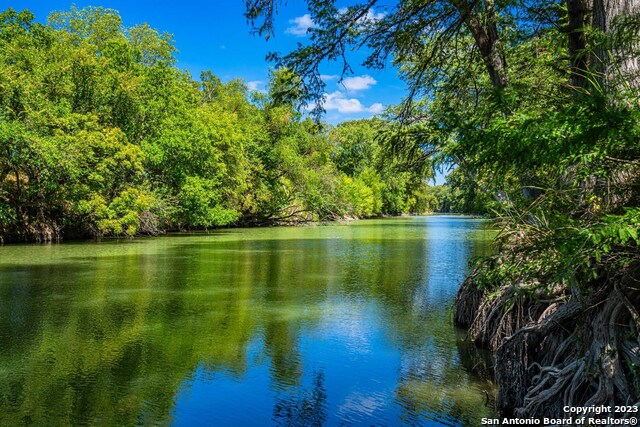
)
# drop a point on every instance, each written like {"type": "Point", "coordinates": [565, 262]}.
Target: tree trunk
{"type": "Point", "coordinates": [620, 63]}
{"type": "Point", "coordinates": [488, 41]}
{"type": "Point", "coordinates": [576, 16]}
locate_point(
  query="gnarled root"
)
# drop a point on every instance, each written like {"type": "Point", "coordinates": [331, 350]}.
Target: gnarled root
{"type": "Point", "coordinates": [491, 319]}
{"type": "Point", "coordinates": [581, 352]}
{"type": "Point", "coordinates": [522, 353]}
{"type": "Point", "coordinates": [503, 315]}
{"type": "Point", "coordinates": [467, 303]}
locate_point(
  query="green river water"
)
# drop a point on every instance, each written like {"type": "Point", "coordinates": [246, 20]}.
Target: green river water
{"type": "Point", "coordinates": [307, 326]}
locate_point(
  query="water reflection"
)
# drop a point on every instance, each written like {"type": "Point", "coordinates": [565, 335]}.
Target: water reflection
{"type": "Point", "coordinates": [306, 408]}
{"type": "Point", "coordinates": [337, 325]}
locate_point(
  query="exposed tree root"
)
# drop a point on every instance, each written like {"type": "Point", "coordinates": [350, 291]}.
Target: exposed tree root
{"type": "Point", "coordinates": [562, 350]}
{"type": "Point", "coordinates": [492, 318]}
{"type": "Point", "coordinates": [468, 302]}
{"type": "Point", "coordinates": [503, 315]}
{"type": "Point", "coordinates": [40, 232]}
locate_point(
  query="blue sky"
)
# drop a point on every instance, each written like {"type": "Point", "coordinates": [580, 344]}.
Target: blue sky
{"type": "Point", "coordinates": [214, 35]}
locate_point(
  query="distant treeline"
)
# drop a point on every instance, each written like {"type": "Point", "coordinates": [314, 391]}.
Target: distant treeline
{"type": "Point", "coordinates": [101, 134]}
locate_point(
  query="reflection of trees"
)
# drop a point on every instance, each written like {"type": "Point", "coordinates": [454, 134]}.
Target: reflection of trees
{"type": "Point", "coordinates": [414, 277]}
{"type": "Point", "coordinates": [477, 362]}
{"type": "Point", "coordinates": [113, 334]}
{"type": "Point", "coordinates": [110, 346]}
{"type": "Point", "coordinates": [434, 378]}
{"type": "Point", "coordinates": [439, 378]}
{"type": "Point", "coordinates": [305, 407]}
{"type": "Point", "coordinates": [113, 339]}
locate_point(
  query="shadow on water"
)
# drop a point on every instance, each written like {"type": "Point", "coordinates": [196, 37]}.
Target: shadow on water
{"type": "Point", "coordinates": [308, 326]}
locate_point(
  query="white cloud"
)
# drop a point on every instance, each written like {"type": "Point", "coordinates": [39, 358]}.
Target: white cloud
{"type": "Point", "coordinates": [358, 83]}
{"type": "Point", "coordinates": [337, 101]}
{"type": "Point", "coordinates": [329, 77]}
{"type": "Point", "coordinates": [302, 24]}
{"type": "Point", "coordinates": [370, 17]}
{"type": "Point", "coordinates": [376, 108]}
{"type": "Point", "coordinates": [253, 85]}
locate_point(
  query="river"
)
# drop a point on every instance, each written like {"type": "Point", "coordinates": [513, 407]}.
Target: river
{"type": "Point", "coordinates": [307, 326]}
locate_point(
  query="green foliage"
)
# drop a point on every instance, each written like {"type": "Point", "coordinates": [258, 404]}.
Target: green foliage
{"type": "Point", "coordinates": [200, 204]}
{"type": "Point", "coordinates": [460, 194]}
{"type": "Point", "coordinates": [583, 228]}
{"type": "Point", "coordinates": [100, 134]}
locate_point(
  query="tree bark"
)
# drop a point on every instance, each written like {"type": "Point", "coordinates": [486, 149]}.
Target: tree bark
{"type": "Point", "coordinates": [488, 41]}
{"type": "Point", "coordinates": [576, 16]}
{"type": "Point", "coordinates": [625, 63]}
{"type": "Point", "coordinates": [607, 65]}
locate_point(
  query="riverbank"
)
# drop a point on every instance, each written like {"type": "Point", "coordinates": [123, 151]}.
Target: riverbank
{"type": "Point", "coordinates": [556, 345]}
{"type": "Point", "coordinates": [59, 237]}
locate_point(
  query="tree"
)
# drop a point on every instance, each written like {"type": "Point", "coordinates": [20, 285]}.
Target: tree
{"type": "Point", "coordinates": [421, 33]}
{"type": "Point", "coordinates": [535, 95]}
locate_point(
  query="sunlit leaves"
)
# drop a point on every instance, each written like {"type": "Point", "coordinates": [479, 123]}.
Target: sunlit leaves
{"type": "Point", "coordinates": [101, 135]}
